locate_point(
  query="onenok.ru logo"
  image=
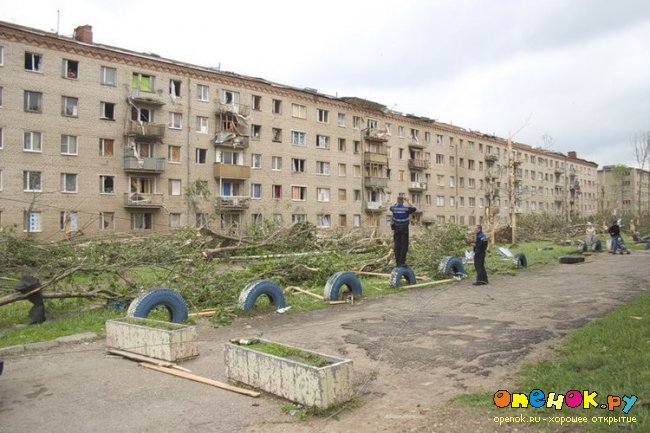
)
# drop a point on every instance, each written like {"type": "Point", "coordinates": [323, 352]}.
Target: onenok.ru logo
{"type": "Point", "coordinates": [574, 398]}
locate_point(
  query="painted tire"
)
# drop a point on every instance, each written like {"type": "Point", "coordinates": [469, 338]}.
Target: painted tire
{"type": "Point", "coordinates": [399, 273]}
{"type": "Point", "coordinates": [451, 265]}
{"type": "Point", "coordinates": [569, 260]}
{"type": "Point", "coordinates": [170, 299]}
{"type": "Point", "coordinates": [598, 246]}
{"type": "Point", "coordinates": [254, 290]}
{"type": "Point", "coordinates": [647, 246]}
{"type": "Point", "coordinates": [336, 281]}
{"type": "Point", "coordinates": [521, 260]}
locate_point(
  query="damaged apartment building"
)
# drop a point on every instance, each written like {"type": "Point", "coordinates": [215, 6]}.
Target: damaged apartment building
{"type": "Point", "coordinates": [98, 140]}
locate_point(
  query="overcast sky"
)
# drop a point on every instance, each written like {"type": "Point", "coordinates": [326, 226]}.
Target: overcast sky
{"type": "Point", "coordinates": [560, 74]}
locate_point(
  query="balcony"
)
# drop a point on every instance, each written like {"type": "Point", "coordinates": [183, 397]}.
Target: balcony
{"type": "Point", "coordinates": [491, 158]}
{"type": "Point", "coordinates": [375, 157]}
{"type": "Point", "coordinates": [231, 139]}
{"type": "Point", "coordinates": [144, 165]}
{"type": "Point", "coordinates": [375, 206]}
{"type": "Point", "coordinates": [417, 186]}
{"type": "Point", "coordinates": [414, 144]}
{"type": "Point", "coordinates": [142, 200]}
{"type": "Point", "coordinates": [232, 202]}
{"type": "Point", "coordinates": [229, 171]}
{"type": "Point", "coordinates": [559, 170]}
{"type": "Point", "coordinates": [419, 164]}
{"type": "Point", "coordinates": [374, 182]}
{"type": "Point", "coordinates": [375, 134]}
{"type": "Point", "coordinates": [144, 130]}
{"type": "Point", "coordinates": [239, 109]}
{"type": "Point", "coordinates": [139, 97]}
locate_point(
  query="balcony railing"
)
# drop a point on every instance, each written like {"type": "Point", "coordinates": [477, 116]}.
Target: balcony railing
{"type": "Point", "coordinates": [417, 186]}
{"type": "Point", "coordinates": [375, 206]}
{"type": "Point", "coordinates": [231, 139]}
{"type": "Point", "coordinates": [376, 157]}
{"type": "Point", "coordinates": [416, 144]}
{"type": "Point", "coordinates": [232, 202]}
{"type": "Point", "coordinates": [151, 165]}
{"type": "Point", "coordinates": [490, 157]}
{"type": "Point", "coordinates": [145, 130]}
{"type": "Point", "coordinates": [229, 171]}
{"type": "Point", "coordinates": [419, 164]}
{"type": "Point", "coordinates": [241, 109]}
{"type": "Point", "coordinates": [375, 182]}
{"type": "Point", "coordinates": [377, 134]}
{"type": "Point", "coordinates": [143, 200]}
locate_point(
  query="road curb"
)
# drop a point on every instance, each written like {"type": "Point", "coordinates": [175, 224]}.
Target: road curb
{"type": "Point", "coordinates": [46, 345]}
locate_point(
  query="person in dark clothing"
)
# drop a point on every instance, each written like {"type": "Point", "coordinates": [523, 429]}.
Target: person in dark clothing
{"type": "Point", "coordinates": [30, 285]}
{"type": "Point", "coordinates": [480, 248]}
{"type": "Point", "coordinates": [400, 225]}
{"type": "Point", "coordinates": [617, 241]}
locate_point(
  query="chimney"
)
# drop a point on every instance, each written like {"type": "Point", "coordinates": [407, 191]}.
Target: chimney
{"type": "Point", "coordinates": [84, 34]}
{"type": "Point", "coordinates": [572, 154]}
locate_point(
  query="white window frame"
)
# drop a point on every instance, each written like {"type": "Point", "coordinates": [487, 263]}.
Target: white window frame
{"type": "Point", "coordinates": [102, 184]}
{"type": "Point", "coordinates": [28, 145]}
{"type": "Point", "coordinates": [108, 76]}
{"type": "Point", "coordinates": [203, 92]}
{"type": "Point", "coordinates": [33, 221]}
{"type": "Point", "coordinates": [323, 168]}
{"type": "Point", "coordinates": [322, 141]}
{"type": "Point", "coordinates": [32, 181]}
{"type": "Point", "coordinates": [175, 187]}
{"type": "Point", "coordinates": [171, 153]}
{"type": "Point", "coordinates": [36, 60]}
{"type": "Point", "coordinates": [69, 106]}
{"type": "Point", "coordinates": [340, 120]}
{"type": "Point", "coordinates": [256, 191]}
{"type": "Point", "coordinates": [202, 124]}
{"type": "Point", "coordinates": [324, 221]}
{"type": "Point", "coordinates": [103, 105]}
{"type": "Point", "coordinates": [298, 138]}
{"type": "Point", "coordinates": [323, 194]}
{"type": "Point", "coordinates": [64, 182]}
{"type": "Point", "coordinates": [175, 120]}
{"type": "Point", "coordinates": [256, 160]}
{"type": "Point", "coordinates": [298, 111]}
{"type": "Point", "coordinates": [322, 115]}
{"type": "Point", "coordinates": [69, 145]}
{"type": "Point", "coordinates": [31, 97]}
{"type": "Point", "coordinates": [276, 163]}
{"type": "Point", "coordinates": [2, 137]}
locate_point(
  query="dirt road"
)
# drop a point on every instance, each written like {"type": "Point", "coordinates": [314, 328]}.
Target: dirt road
{"type": "Point", "coordinates": [411, 351]}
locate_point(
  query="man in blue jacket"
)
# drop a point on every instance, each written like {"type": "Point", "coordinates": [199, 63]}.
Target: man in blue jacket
{"type": "Point", "coordinates": [480, 248]}
{"type": "Point", "coordinates": [400, 225]}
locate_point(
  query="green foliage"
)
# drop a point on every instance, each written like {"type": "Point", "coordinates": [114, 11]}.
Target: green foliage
{"type": "Point", "coordinates": [428, 248]}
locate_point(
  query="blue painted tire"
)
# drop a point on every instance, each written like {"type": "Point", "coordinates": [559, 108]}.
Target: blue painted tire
{"type": "Point", "coordinates": [170, 299]}
{"type": "Point", "coordinates": [452, 265]}
{"type": "Point", "coordinates": [598, 246]}
{"type": "Point", "coordinates": [254, 290]}
{"type": "Point", "coordinates": [647, 246]}
{"type": "Point", "coordinates": [336, 281]}
{"type": "Point", "coordinates": [520, 260]}
{"type": "Point", "coordinates": [399, 273]}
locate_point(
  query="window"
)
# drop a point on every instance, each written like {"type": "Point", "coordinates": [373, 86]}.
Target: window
{"type": "Point", "coordinates": [257, 103]}
{"type": "Point", "coordinates": [202, 92]}
{"type": "Point", "coordinates": [452, 161]}
{"type": "Point", "coordinates": [201, 219]}
{"type": "Point", "coordinates": [32, 222]}
{"type": "Point", "coordinates": [298, 138]}
{"type": "Point", "coordinates": [2, 136]}
{"type": "Point", "coordinates": [341, 144]}
{"type": "Point", "coordinates": [298, 217]}
{"type": "Point", "coordinates": [297, 165]}
{"type": "Point", "coordinates": [140, 114]}
{"type": "Point", "coordinates": [323, 194]}
{"type": "Point", "coordinates": [343, 170]}
{"type": "Point", "coordinates": [32, 141]}
{"type": "Point", "coordinates": [472, 202]}
{"type": "Point", "coordinates": [440, 159]}
{"type": "Point", "coordinates": [400, 131]}
{"type": "Point", "coordinates": [1, 93]}
{"type": "Point", "coordinates": [2, 55]}
{"type": "Point", "coordinates": [323, 116]}
{"type": "Point", "coordinates": [106, 220]}
{"type": "Point", "coordinates": [356, 170]}
{"type": "Point", "coordinates": [141, 221]}
{"type": "Point", "coordinates": [175, 187]}
{"type": "Point", "coordinates": [256, 190]}
{"type": "Point", "coordinates": [324, 221]}
{"type": "Point", "coordinates": [276, 163]}
{"type": "Point", "coordinates": [107, 110]}
{"type": "Point", "coordinates": [440, 200]}
{"type": "Point", "coordinates": [323, 167]}
{"type": "Point", "coordinates": [298, 193]}
{"type": "Point", "coordinates": [276, 106]}
{"type": "Point", "coordinates": [68, 182]}
{"type": "Point", "coordinates": [356, 122]}
{"type": "Point", "coordinates": [471, 164]}
{"type": "Point", "coordinates": [356, 194]}
{"type": "Point", "coordinates": [415, 134]}
{"type": "Point", "coordinates": [107, 76]}
{"type": "Point", "coordinates": [173, 153]}
{"type": "Point", "coordinates": [33, 62]}
{"type": "Point", "coordinates": [256, 160]}
{"type": "Point", "coordinates": [228, 157]}
{"type": "Point", "coordinates": [343, 194]}
{"type": "Point", "coordinates": [70, 69]}
{"type": "Point", "coordinates": [277, 135]}
{"type": "Point", "coordinates": [106, 184]}
{"type": "Point", "coordinates": [440, 179]}
{"type": "Point", "coordinates": [175, 120]}
{"type": "Point", "coordinates": [471, 145]}
{"type": "Point", "coordinates": [201, 156]}
{"type": "Point", "coordinates": [174, 88]}
{"type": "Point", "coordinates": [142, 82]}
{"type": "Point", "coordinates": [356, 144]}
{"type": "Point", "coordinates": [322, 142]}
{"type": "Point", "coordinates": [372, 124]}
{"type": "Point", "coordinates": [201, 124]}
{"type": "Point", "coordinates": [69, 106]}
{"type": "Point", "coordinates": [32, 181]}
{"type": "Point", "coordinates": [299, 111]}
{"type": "Point", "coordinates": [340, 120]}
{"type": "Point", "coordinates": [471, 182]}
{"type": "Point", "coordinates": [276, 191]}
{"type": "Point", "coordinates": [256, 132]}
{"type": "Point", "coordinates": [452, 181]}
{"type": "Point", "coordinates": [230, 97]}
{"type": "Point", "coordinates": [427, 137]}
{"type": "Point", "coordinates": [33, 101]}
{"type": "Point", "coordinates": [69, 145]}
{"type": "Point", "coordinates": [174, 220]}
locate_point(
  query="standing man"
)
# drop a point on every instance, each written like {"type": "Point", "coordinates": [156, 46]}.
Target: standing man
{"type": "Point", "coordinates": [400, 225]}
{"type": "Point", "coordinates": [480, 248]}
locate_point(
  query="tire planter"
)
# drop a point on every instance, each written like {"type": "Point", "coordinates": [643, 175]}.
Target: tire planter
{"type": "Point", "coordinates": [399, 273]}
{"type": "Point", "coordinates": [521, 260]}
{"type": "Point", "coordinates": [598, 246]}
{"type": "Point", "coordinates": [254, 290]}
{"type": "Point", "coordinates": [170, 299]}
{"type": "Point", "coordinates": [452, 265]}
{"type": "Point", "coordinates": [337, 281]}
{"type": "Point", "coordinates": [647, 246]}
{"type": "Point", "coordinates": [571, 259]}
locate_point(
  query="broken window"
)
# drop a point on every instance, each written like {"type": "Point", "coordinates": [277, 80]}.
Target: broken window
{"type": "Point", "coordinates": [276, 106]}
{"type": "Point", "coordinates": [322, 142]}
{"type": "Point", "coordinates": [201, 156]}
{"type": "Point", "coordinates": [33, 62]}
{"type": "Point", "coordinates": [106, 184]}
{"type": "Point", "coordinates": [298, 138]}
{"type": "Point", "coordinates": [68, 221]}
{"type": "Point", "coordinates": [106, 220]}
{"type": "Point", "coordinates": [142, 82]}
{"type": "Point", "coordinates": [32, 221]}
{"type": "Point", "coordinates": [256, 131]}
{"type": "Point", "coordinates": [276, 191]}
{"type": "Point", "coordinates": [174, 153]}
{"type": "Point", "coordinates": [257, 102]}
{"type": "Point", "coordinates": [107, 110]}
{"type": "Point", "coordinates": [277, 135]}
{"type": "Point", "coordinates": [175, 88]}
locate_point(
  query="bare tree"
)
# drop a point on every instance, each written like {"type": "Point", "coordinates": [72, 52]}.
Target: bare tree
{"type": "Point", "coordinates": [641, 144]}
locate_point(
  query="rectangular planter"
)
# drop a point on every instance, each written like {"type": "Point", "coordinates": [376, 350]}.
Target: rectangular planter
{"type": "Point", "coordinates": [308, 385]}
{"type": "Point", "coordinates": [161, 340]}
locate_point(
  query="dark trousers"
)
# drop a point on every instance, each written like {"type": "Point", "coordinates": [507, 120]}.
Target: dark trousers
{"type": "Point", "coordinates": [479, 265]}
{"type": "Point", "coordinates": [401, 245]}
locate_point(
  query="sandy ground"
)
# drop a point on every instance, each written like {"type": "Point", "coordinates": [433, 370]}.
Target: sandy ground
{"type": "Point", "coordinates": [412, 352]}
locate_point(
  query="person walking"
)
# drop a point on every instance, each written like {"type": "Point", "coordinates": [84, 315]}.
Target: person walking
{"type": "Point", "coordinates": [400, 225]}
{"type": "Point", "coordinates": [617, 241]}
{"type": "Point", "coordinates": [480, 249]}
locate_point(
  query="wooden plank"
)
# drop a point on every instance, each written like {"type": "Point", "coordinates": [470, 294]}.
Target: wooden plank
{"type": "Point", "coordinates": [204, 313]}
{"type": "Point", "coordinates": [376, 274]}
{"type": "Point", "coordinates": [298, 289]}
{"type": "Point", "coordinates": [200, 379]}
{"type": "Point", "coordinates": [428, 283]}
{"type": "Point", "coordinates": [143, 358]}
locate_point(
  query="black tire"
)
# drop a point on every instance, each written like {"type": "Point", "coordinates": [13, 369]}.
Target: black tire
{"type": "Point", "coordinates": [598, 246]}
{"type": "Point", "coordinates": [254, 290]}
{"type": "Point", "coordinates": [521, 260]}
{"type": "Point", "coordinates": [571, 259]}
{"type": "Point", "coordinates": [170, 299]}
{"type": "Point", "coordinates": [399, 273]}
{"type": "Point", "coordinates": [647, 246]}
{"type": "Point", "coordinates": [334, 283]}
{"type": "Point", "coordinates": [452, 265]}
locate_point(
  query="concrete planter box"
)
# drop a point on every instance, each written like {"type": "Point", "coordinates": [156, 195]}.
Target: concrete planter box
{"type": "Point", "coordinates": [161, 340]}
{"type": "Point", "coordinates": [308, 385]}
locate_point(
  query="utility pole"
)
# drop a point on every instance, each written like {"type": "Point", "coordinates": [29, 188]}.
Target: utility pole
{"type": "Point", "coordinates": [511, 191]}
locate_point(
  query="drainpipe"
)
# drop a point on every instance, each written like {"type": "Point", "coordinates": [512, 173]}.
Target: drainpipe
{"type": "Point", "coordinates": [188, 151]}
